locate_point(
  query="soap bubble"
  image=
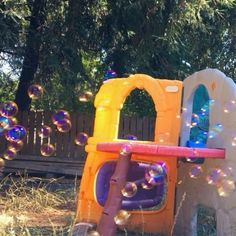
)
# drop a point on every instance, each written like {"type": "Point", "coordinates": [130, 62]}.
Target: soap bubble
{"type": "Point", "coordinates": [8, 109]}
{"type": "Point", "coordinates": [64, 126]}
{"type": "Point", "coordinates": [109, 74]}
{"type": "Point", "coordinates": [12, 121]}
{"type": "Point", "coordinates": [44, 131]}
{"type": "Point", "coordinates": [215, 130]}
{"type": "Point", "coordinates": [214, 176]}
{"type": "Point", "coordinates": [9, 154]}
{"type": "Point", "coordinates": [126, 149]}
{"type": "Point", "coordinates": [195, 120]}
{"type": "Point", "coordinates": [155, 174]}
{"type": "Point", "coordinates": [225, 187]}
{"type": "Point", "coordinates": [60, 116]}
{"type": "Point", "coordinates": [93, 233]}
{"type": "Point", "coordinates": [15, 145]}
{"type": "Point", "coordinates": [229, 106]}
{"type": "Point", "coordinates": [85, 96]}
{"type": "Point", "coordinates": [233, 143]}
{"type": "Point", "coordinates": [2, 163]}
{"type": "Point", "coordinates": [130, 137]}
{"type": "Point", "coordinates": [16, 132]}
{"type": "Point", "coordinates": [163, 137]}
{"type": "Point", "coordinates": [129, 190]}
{"type": "Point", "coordinates": [35, 91]}
{"type": "Point", "coordinates": [146, 185]}
{"type": "Point", "coordinates": [47, 150]}
{"type": "Point", "coordinates": [81, 138]}
{"type": "Point", "coordinates": [4, 124]}
{"type": "Point", "coordinates": [122, 217]}
{"type": "Point", "coordinates": [195, 171]}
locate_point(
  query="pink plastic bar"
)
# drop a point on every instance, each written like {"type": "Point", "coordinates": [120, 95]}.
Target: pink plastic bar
{"type": "Point", "coordinates": [154, 149]}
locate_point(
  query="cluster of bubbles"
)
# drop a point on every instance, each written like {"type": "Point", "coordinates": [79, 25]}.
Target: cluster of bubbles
{"type": "Point", "coordinates": [218, 177]}
{"type": "Point", "coordinates": [10, 130]}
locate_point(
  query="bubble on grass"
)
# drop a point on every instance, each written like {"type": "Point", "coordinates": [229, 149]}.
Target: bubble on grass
{"type": "Point", "coordinates": [81, 139]}
{"type": "Point", "coordinates": [8, 109]}
{"type": "Point", "coordinates": [60, 116]}
{"type": "Point", "coordinates": [16, 145]}
{"type": "Point", "coordinates": [122, 217]}
{"type": "Point", "coordinates": [9, 154]}
{"type": "Point", "coordinates": [85, 96]}
{"type": "Point", "coordinates": [16, 132]}
{"type": "Point", "coordinates": [47, 149]}
{"type": "Point", "coordinates": [126, 149]}
{"type": "Point", "coordinates": [129, 190]}
{"type": "Point", "coordinates": [195, 171]}
{"type": "Point", "coordinates": [155, 174]}
{"type": "Point", "coordinates": [44, 131]}
{"type": "Point", "coordinates": [35, 91]}
{"type": "Point", "coordinates": [214, 176]}
{"type": "Point", "coordinates": [225, 187]}
{"type": "Point", "coordinates": [64, 126]}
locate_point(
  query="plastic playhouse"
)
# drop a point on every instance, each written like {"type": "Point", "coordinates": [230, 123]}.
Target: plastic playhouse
{"type": "Point", "coordinates": [146, 171]}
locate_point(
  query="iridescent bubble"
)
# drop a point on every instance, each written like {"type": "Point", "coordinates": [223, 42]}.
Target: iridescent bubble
{"type": "Point", "coordinates": [44, 131]}
{"type": "Point", "coordinates": [35, 91]}
{"type": "Point", "coordinates": [85, 96]}
{"type": "Point", "coordinates": [129, 190]}
{"type": "Point", "coordinates": [130, 137]}
{"type": "Point", "coordinates": [93, 233]}
{"type": "Point", "coordinates": [9, 154]}
{"type": "Point", "coordinates": [155, 174]}
{"type": "Point", "coordinates": [195, 171]}
{"type": "Point", "coordinates": [214, 176]}
{"type": "Point", "coordinates": [109, 74]}
{"type": "Point", "coordinates": [81, 139]}
{"type": "Point", "coordinates": [229, 106]}
{"type": "Point", "coordinates": [8, 109]}
{"type": "Point", "coordinates": [202, 136]}
{"type": "Point", "coordinates": [2, 163]}
{"type": "Point", "coordinates": [126, 149]}
{"type": "Point", "coordinates": [122, 217]}
{"type": "Point", "coordinates": [226, 187]}
{"type": "Point", "coordinates": [64, 127]}
{"type": "Point", "coordinates": [47, 149]}
{"type": "Point", "coordinates": [233, 143]}
{"type": "Point", "coordinates": [146, 185]}
{"type": "Point", "coordinates": [16, 132]}
{"type": "Point", "coordinates": [4, 124]}
{"type": "Point", "coordinates": [16, 145]}
{"type": "Point", "coordinates": [13, 121]}
{"type": "Point", "coordinates": [215, 130]}
{"type": "Point", "coordinates": [163, 137]}
{"type": "Point", "coordinates": [60, 116]}
{"type": "Point", "coordinates": [195, 120]}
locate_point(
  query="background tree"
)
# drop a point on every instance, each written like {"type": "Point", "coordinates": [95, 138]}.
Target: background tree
{"type": "Point", "coordinates": [80, 40]}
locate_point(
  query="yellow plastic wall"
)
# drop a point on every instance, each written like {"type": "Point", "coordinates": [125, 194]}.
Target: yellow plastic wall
{"type": "Point", "coordinates": [166, 95]}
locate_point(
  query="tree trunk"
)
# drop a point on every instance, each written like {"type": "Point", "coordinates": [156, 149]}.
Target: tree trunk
{"type": "Point", "coordinates": [31, 58]}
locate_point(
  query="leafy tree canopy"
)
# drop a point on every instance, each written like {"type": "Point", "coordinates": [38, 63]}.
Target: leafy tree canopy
{"type": "Point", "coordinates": [76, 41]}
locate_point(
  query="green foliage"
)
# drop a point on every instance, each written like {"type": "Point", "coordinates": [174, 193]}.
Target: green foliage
{"type": "Point", "coordinates": [80, 40]}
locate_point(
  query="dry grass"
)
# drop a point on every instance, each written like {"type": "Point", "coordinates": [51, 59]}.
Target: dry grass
{"type": "Point", "coordinates": [35, 206]}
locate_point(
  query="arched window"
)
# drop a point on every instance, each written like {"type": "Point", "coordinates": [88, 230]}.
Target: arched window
{"type": "Point", "coordinates": [138, 116]}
